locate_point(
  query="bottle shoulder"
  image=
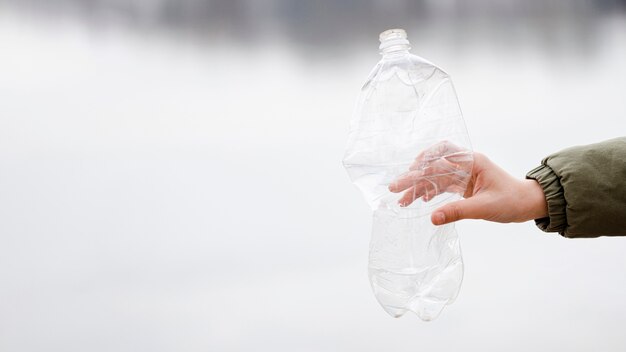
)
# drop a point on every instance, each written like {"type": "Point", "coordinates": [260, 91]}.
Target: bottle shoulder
{"type": "Point", "coordinates": [410, 69]}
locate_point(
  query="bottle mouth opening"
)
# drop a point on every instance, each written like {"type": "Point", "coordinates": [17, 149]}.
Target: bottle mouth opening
{"type": "Point", "coordinates": [393, 40]}
{"type": "Point", "coordinates": [395, 33]}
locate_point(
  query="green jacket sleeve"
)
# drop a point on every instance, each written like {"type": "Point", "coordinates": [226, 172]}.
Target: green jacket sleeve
{"type": "Point", "coordinates": [585, 188]}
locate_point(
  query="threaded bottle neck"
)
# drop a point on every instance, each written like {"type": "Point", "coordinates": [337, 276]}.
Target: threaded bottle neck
{"type": "Point", "coordinates": [393, 41]}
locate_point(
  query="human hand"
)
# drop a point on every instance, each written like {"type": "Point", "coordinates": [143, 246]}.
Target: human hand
{"type": "Point", "coordinates": [490, 193]}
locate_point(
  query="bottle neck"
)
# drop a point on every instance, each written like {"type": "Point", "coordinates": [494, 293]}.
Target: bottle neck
{"type": "Point", "coordinates": [394, 42]}
{"type": "Point", "coordinates": [395, 50]}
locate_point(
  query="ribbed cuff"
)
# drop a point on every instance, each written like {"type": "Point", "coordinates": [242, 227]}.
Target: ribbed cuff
{"type": "Point", "coordinates": [553, 191]}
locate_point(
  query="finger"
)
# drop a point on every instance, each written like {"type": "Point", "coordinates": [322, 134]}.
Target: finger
{"type": "Point", "coordinates": [427, 193]}
{"type": "Point", "coordinates": [471, 208]}
{"type": "Point", "coordinates": [440, 171]}
{"type": "Point", "coordinates": [406, 181]}
{"type": "Point", "coordinates": [423, 188]}
{"type": "Point", "coordinates": [460, 157]}
{"type": "Point", "coordinates": [428, 189]}
{"type": "Point", "coordinates": [437, 190]}
{"type": "Point", "coordinates": [434, 152]}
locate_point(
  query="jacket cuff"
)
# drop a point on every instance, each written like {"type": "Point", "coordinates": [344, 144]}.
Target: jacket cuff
{"type": "Point", "coordinates": [553, 191]}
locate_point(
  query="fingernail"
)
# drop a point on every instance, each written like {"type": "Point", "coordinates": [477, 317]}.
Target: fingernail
{"type": "Point", "coordinates": [439, 218]}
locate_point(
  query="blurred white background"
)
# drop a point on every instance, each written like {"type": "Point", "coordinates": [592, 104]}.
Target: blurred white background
{"type": "Point", "coordinates": [171, 178]}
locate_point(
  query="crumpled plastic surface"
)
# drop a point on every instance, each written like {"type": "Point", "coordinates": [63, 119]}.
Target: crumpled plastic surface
{"type": "Point", "coordinates": [408, 134]}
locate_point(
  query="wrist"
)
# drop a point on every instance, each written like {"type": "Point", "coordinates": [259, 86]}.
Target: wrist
{"type": "Point", "coordinates": [535, 199]}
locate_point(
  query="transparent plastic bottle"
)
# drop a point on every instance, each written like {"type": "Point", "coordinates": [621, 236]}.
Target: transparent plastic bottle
{"type": "Point", "coordinates": [408, 131]}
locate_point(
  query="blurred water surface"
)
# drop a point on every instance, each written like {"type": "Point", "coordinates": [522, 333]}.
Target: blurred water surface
{"type": "Point", "coordinates": [177, 187]}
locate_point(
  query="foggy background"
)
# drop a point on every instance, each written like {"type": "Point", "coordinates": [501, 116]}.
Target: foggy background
{"type": "Point", "coordinates": [171, 178]}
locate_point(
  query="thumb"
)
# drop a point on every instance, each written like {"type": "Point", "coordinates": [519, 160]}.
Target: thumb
{"type": "Point", "coordinates": [469, 208]}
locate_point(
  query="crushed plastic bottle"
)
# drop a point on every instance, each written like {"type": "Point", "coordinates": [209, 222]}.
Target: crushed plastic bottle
{"type": "Point", "coordinates": [408, 133]}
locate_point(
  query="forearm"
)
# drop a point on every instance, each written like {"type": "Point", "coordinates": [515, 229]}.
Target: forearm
{"type": "Point", "coordinates": [585, 190]}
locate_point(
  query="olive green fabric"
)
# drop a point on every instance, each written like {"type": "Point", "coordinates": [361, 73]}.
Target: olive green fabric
{"type": "Point", "coordinates": [585, 188]}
